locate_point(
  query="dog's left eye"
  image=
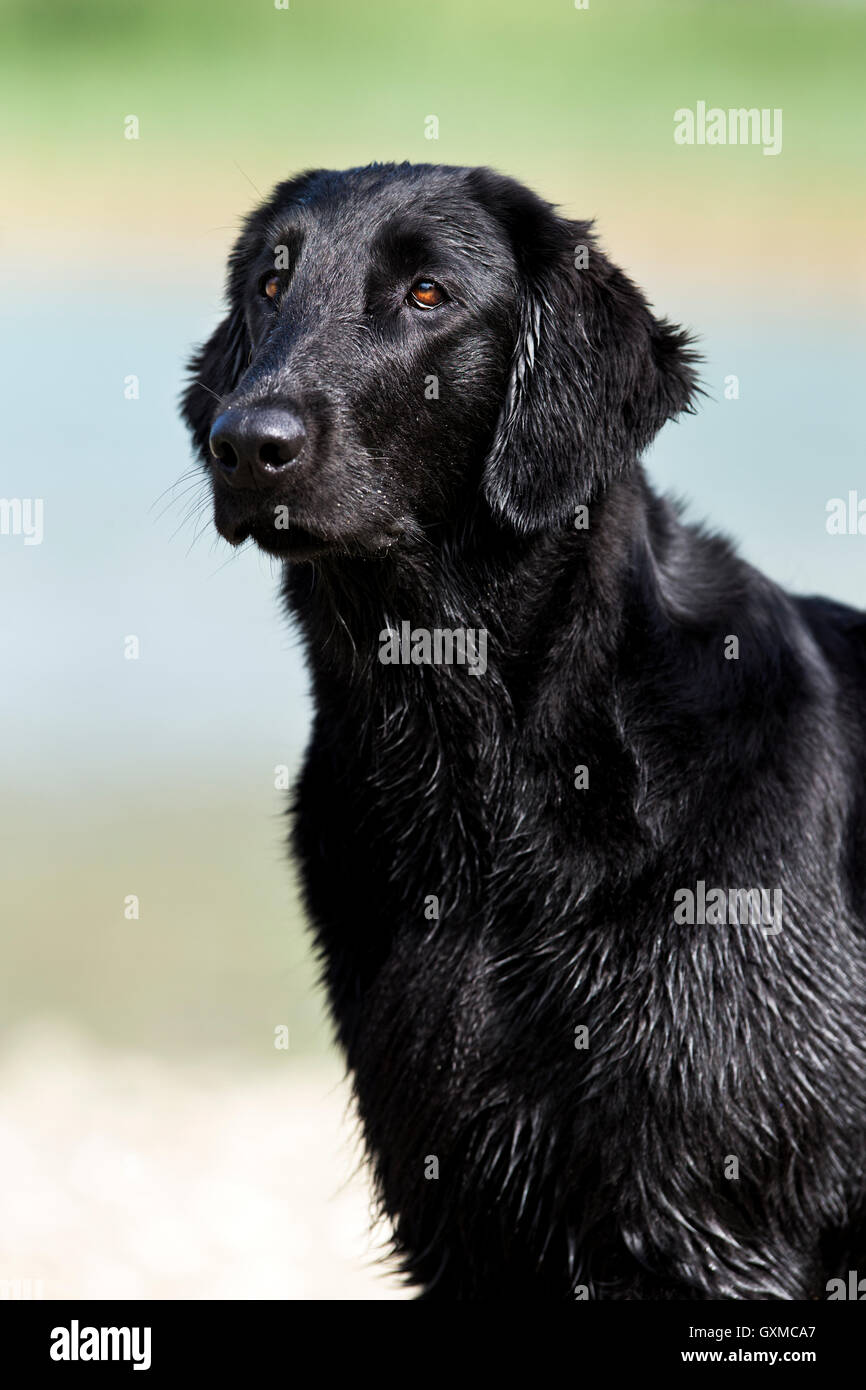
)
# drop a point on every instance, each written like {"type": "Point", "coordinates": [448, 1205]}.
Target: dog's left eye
{"type": "Point", "coordinates": [426, 294]}
{"type": "Point", "coordinates": [271, 287]}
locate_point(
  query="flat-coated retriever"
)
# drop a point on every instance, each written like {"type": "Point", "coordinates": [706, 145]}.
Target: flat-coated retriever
{"type": "Point", "coordinates": [582, 823]}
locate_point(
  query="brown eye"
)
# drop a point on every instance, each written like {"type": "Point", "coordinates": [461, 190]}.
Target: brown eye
{"type": "Point", "coordinates": [426, 294]}
{"type": "Point", "coordinates": [271, 287]}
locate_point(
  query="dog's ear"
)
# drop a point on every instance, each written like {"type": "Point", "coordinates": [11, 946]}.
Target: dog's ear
{"type": "Point", "coordinates": [215, 370]}
{"type": "Point", "coordinates": [594, 375]}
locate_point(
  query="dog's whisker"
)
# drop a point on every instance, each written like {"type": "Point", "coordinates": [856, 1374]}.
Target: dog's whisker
{"type": "Point", "coordinates": [191, 473]}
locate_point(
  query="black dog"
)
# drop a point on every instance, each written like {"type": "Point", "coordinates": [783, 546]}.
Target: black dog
{"type": "Point", "coordinates": [582, 823]}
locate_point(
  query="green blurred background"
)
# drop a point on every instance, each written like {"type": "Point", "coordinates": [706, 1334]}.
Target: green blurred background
{"type": "Point", "coordinates": [157, 777]}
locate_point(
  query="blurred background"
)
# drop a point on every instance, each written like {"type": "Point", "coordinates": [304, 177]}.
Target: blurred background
{"type": "Point", "coordinates": [154, 1142]}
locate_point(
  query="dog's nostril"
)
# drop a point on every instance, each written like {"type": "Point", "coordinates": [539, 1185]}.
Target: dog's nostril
{"type": "Point", "coordinates": [224, 454]}
{"type": "Point", "coordinates": [274, 455]}
{"type": "Point", "coordinates": [222, 443]}
{"type": "Point", "coordinates": [283, 441]}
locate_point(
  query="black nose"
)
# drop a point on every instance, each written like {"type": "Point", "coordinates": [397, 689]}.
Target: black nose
{"type": "Point", "coordinates": [255, 445]}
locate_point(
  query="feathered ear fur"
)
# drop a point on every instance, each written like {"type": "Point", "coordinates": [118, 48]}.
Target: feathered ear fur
{"type": "Point", "coordinates": [594, 375]}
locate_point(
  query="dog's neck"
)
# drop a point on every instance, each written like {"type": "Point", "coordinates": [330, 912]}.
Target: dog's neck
{"type": "Point", "coordinates": [621, 606]}
{"type": "Point", "coordinates": [443, 749]}
{"type": "Point", "coordinates": [559, 595]}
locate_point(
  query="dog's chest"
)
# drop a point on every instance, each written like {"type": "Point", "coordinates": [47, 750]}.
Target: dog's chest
{"type": "Point", "coordinates": [450, 959]}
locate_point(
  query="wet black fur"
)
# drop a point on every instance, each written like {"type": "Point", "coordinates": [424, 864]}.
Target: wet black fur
{"type": "Point", "coordinates": [558, 1167]}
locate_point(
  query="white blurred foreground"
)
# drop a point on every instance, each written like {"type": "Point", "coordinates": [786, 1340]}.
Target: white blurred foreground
{"type": "Point", "coordinates": [133, 1177]}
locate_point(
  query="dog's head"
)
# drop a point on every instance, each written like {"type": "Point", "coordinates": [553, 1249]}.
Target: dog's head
{"type": "Point", "coordinates": [405, 343]}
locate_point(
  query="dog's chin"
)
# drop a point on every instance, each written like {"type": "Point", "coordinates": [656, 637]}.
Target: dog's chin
{"type": "Point", "coordinates": [295, 541]}
{"type": "Point", "coordinates": [291, 543]}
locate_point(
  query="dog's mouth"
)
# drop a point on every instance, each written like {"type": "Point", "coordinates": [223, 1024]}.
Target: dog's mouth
{"type": "Point", "coordinates": [273, 534]}
{"type": "Point", "coordinates": [291, 535]}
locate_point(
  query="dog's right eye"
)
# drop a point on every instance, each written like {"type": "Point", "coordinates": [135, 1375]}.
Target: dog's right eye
{"type": "Point", "coordinates": [270, 286]}
{"type": "Point", "coordinates": [426, 294]}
